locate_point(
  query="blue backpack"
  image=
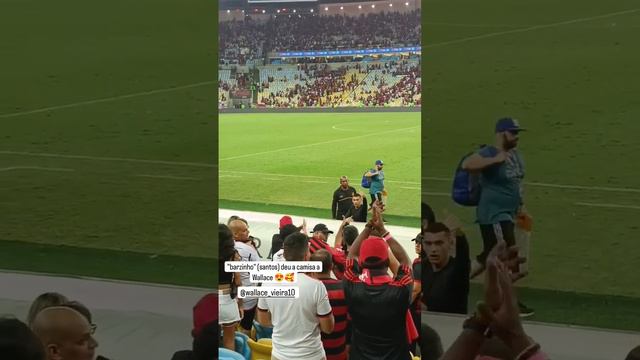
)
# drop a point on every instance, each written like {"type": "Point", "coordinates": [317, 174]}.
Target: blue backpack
{"type": "Point", "coordinates": [466, 185]}
{"type": "Point", "coordinates": [366, 181]}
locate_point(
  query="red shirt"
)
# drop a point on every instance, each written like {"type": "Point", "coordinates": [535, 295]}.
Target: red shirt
{"type": "Point", "coordinates": [338, 256]}
{"type": "Point", "coordinates": [335, 343]}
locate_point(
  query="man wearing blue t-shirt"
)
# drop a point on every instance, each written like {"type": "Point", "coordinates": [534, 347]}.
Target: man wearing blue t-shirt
{"type": "Point", "coordinates": [502, 170]}
{"type": "Point", "coordinates": [377, 182]}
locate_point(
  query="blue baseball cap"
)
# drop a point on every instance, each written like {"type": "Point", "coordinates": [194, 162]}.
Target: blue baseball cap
{"type": "Point", "coordinates": [508, 124]}
{"type": "Point", "coordinates": [379, 162]}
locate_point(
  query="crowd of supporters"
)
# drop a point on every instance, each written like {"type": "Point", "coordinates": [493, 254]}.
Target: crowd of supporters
{"type": "Point", "coordinates": [389, 83]}
{"type": "Point", "coordinates": [310, 32]}
{"type": "Point", "coordinates": [242, 41]}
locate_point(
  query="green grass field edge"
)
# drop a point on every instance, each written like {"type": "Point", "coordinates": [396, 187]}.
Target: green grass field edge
{"type": "Point", "coordinates": [305, 211]}
{"type": "Point", "coordinates": [108, 264]}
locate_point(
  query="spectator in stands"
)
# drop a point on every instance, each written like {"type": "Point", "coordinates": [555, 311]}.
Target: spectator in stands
{"type": "Point", "coordinates": [319, 241]}
{"type": "Point", "coordinates": [45, 300]}
{"type": "Point", "coordinates": [297, 322]}
{"type": "Point", "coordinates": [230, 306]}
{"type": "Point", "coordinates": [79, 307]}
{"type": "Point", "coordinates": [499, 313]}
{"type": "Point", "coordinates": [345, 236]}
{"type": "Point", "coordinates": [205, 343]}
{"type": "Point", "coordinates": [445, 279]}
{"type": "Point", "coordinates": [247, 252]}
{"type": "Point", "coordinates": [65, 333]}
{"type": "Point", "coordinates": [18, 342]}
{"type": "Point", "coordinates": [320, 233]}
{"type": "Point", "coordinates": [284, 232]}
{"type": "Point", "coordinates": [358, 209]}
{"type": "Point", "coordinates": [278, 239]}
{"type": "Point", "coordinates": [342, 199]}
{"type": "Point", "coordinates": [205, 331]}
{"type": "Point", "coordinates": [335, 343]}
{"type": "Point", "coordinates": [378, 303]}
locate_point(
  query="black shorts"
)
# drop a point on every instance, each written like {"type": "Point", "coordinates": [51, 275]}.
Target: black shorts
{"type": "Point", "coordinates": [491, 233]}
{"type": "Point", "coordinates": [247, 321]}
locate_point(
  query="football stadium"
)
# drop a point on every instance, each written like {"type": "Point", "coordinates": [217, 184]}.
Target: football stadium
{"type": "Point", "coordinates": [107, 160]}
{"type": "Point", "coordinates": [319, 115]}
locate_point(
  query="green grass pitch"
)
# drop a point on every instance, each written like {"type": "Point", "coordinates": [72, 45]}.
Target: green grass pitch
{"type": "Point", "coordinates": [565, 70]}
{"type": "Point", "coordinates": [295, 160]}
{"type": "Point", "coordinates": [114, 65]}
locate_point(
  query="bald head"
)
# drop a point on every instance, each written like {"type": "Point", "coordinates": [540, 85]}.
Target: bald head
{"type": "Point", "coordinates": [65, 334]}
{"type": "Point", "coordinates": [240, 230]}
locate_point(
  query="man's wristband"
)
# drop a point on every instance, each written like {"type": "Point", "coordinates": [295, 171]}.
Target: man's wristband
{"type": "Point", "coordinates": [387, 236]}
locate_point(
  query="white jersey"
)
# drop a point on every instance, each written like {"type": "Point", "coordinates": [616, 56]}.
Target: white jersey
{"type": "Point", "coordinates": [247, 253]}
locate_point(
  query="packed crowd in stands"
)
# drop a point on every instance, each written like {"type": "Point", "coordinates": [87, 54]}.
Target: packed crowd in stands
{"type": "Point", "coordinates": [242, 42]}
{"type": "Point", "coordinates": [310, 32]}
{"type": "Point", "coordinates": [389, 83]}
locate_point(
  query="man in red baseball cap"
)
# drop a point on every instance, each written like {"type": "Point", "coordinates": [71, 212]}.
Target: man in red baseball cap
{"type": "Point", "coordinates": [379, 303]}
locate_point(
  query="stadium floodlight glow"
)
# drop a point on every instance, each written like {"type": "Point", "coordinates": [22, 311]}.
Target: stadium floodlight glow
{"type": "Point", "coordinates": [264, 11]}
{"type": "Point", "coordinates": [406, 4]}
{"type": "Point", "coordinates": [294, 11]}
{"type": "Point", "coordinates": [326, 8]}
{"type": "Point", "coordinates": [341, 7]}
{"type": "Point", "coordinates": [359, 6]}
{"type": "Point", "coordinates": [278, 11]}
{"type": "Point", "coordinates": [228, 11]}
{"type": "Point", "coordinates": [390, 5]}
{"type": "Point", "coordinates": [373, 6]}
{"type": "Point", "coordinates": [311, 10]}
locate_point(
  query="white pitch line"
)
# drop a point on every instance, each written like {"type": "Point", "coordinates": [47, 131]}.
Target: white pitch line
{"type": "Point", "coordinates": [410, 188]}
{"type": "Point", "coordinates": [531, 28]}
{"type": "Point", "coordinates": [308, 176]}
{"type": "Point", "coordinates": [34, 168]}
{"type": "Point", "coordinates": [335, 127]}
{"type": "Point", "coordinates": [167, 177]}
{"type": "Point", "coordinates": [100, 158]}
{"type": "Point", "coordinates": [315, 182]}
{"type": "Point", "coordinates": [557, 186]}
{"type": "Point", "coordinates": [617, 206]}
{"type": "Point", "coordinates": [316, 144]}
{"type": "Point", "coordinates": [107, 99]}
{"type": "Point", "coordinates": [475, 25]}
{"type": "Point", "coordinates": [580, 187]}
